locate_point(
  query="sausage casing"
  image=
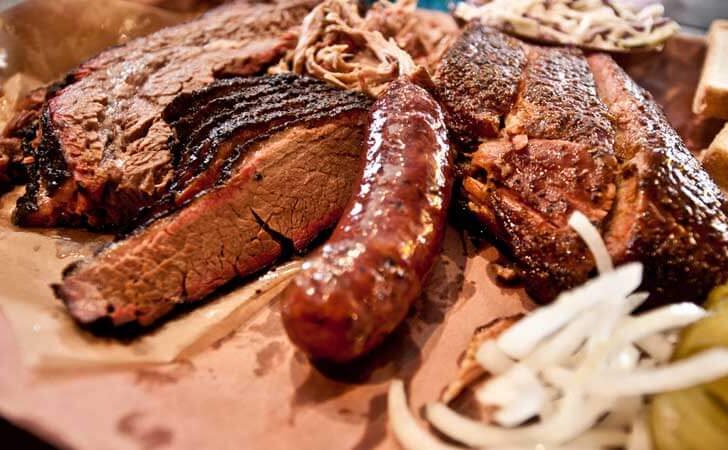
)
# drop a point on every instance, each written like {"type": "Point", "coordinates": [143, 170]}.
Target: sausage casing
{"type": "Point", "coordinates": [361, 284]}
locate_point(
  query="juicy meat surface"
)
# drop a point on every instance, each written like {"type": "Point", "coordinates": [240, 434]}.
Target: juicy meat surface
{"type": "Point", "coordinates": [669, 213]}
{"type": "Point", "coordinates": [478, 81]}
{"type": "Point", "coordinates": [581, 135]}
{"type": "Point", "coordinates": [525, 202]}
{"type": "Point", "coordinates": [103, 137]}
{"type": "Point", "coordinates": [557, 99]}
{"type": "Point", "coordinates": [244, 108]}
{"type": "Point", "coordinates": [282, 189]}
{"type": "Point", "coordinates": [359, 287]}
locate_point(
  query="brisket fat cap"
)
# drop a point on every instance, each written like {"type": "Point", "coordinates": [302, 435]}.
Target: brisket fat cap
{"type": "Point", "coordinates": [579, 134]}
{"type": "Point", "coordinates": [106, 131]}
{"type": "Point", "coordinates": [276, 192]}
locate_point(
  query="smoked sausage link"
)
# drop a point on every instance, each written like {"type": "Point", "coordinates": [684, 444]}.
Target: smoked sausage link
{"type": "Point", "coordinates": [361, 284]}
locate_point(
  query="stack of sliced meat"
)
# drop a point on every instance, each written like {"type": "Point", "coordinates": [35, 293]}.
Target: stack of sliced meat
{"type": "Point", "coordinates": [101, 145]}
{"type": "Point", "coordinates": [549, 131]}
{"type": "Point", "coordinates": [268, 175]}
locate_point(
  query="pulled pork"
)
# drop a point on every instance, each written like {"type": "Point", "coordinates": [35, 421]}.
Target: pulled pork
{"type": "Point", "coordinates": [338, 45]}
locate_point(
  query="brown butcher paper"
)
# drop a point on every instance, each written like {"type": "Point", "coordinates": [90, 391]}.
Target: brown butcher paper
{"type": "Point", "coordinates": [224, 375]}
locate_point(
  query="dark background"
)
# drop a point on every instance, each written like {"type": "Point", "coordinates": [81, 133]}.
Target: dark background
{"type": "Point", "coordinates": [695, 15]}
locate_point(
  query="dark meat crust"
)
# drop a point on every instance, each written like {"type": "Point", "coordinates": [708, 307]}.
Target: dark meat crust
{"type": "Point", "coordinates": [293, 180]}
{"type": "Point", "coordinates": [551, 153]}
{"type": "Point", "coordinates": [107, 127]}
{"type": "Point", "coordinates": [359, 287]}
{"type": "Point", "coordinates": [557, 99]}
{"type": "Point", "coordinates": [583, 136]}
{"type": "Point", "coordinates": [258, 107]}
{"type": "Point", "coordinates": [526, 200]}
{"type": "Point", "coordinates": [478, 80]}
{"type": "Point", "coordinates": [16, 136]}
{"type": "Point", "coordinates": [669, 213]}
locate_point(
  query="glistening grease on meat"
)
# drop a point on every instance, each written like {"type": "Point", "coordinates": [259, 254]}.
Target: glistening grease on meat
{"type": "Point", "coordinates": [103, 152]}
{"type": "Point", "coordinates": [580, 135]}
{"type": "Point", "coordinates": [669, 214]}
{"type": "Point", "coordinates": [361, 284]}
{"type": "Point", "coordinates": [278, 190]}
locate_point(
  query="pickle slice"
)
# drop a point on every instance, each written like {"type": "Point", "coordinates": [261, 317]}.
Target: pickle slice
{"type": "Point", "coordinates": [696, 418]}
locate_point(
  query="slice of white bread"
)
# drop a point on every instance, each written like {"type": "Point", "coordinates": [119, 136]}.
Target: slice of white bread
{"type": "Point", "coordinates": [711, 98]}
{"type": "Point", "coordinates": [715, 159]}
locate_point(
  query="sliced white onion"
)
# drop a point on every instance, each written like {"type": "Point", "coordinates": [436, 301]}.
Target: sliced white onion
{"type": "Point", "coordinates": [593, 239]}
{"type": "Point", "coordinates": [639, 437]}
{"type": "Point", "coordinates": [518, 392]}
{"type": "Point", "coordinates": [624, 412]}
{"type": "Point", "coordinates": [564, 343]}
{"type": "Point", "coordinates": [698, 369]}
{"type": "Point", "coordinates": [575, 367]}
{"type": "Point", "coordinates": [657, 347]}
{"type": "Point", "coordinates": [576, 415]}
{"type": "Point", "coordinates": [492, 358]}
{"type": "Point", "coordinates": [600, 438]}
{"type": "Point", "coordinates": [477, 434]}
{"type": "Point", "coordinates": [626, 359]}
{"type": "Point", "coordinates": [658, 320]}
{"type": "Point", "coordinates": [405, 427]}
{"type": "Point", "coordinates": [521, 338]}
{"type": "Point", "coordinates": [557, 376]}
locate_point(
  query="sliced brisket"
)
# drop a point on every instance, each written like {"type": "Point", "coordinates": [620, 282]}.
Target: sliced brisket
{"type": "Point", "coordinates": [554, 155]}
{"type": "Point", "coordinates": [479, 79]}
{"type": "Point", "coordinates": [581, 135]}
{"type": "Point", "coordinates": [278, 187]}
{"type": "Point", "coordinates": [104, 132]}
{"type": "Point", "coordinates": [669, 213]}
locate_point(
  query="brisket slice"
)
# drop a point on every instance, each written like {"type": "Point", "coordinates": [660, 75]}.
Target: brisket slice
{"type": "Point", "coordinates": [279, 190]}
{"type": "Point", "coordinates": [479, 79]}
{"type": "Point", "coordinates": [105, 133]}
{"type": "Point", "coordinates": [581, 135]}
{"type": "Point", "coordinates": [203, 145]}
{"type": "Point", "coordinates": [553, 156]}
{"type": "Point", "coordinates": [669, 213]}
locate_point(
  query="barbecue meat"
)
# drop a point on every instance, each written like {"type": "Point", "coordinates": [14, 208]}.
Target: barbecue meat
{"type": "Point", "coordinates": [17, 135]}
{"type": "Point", "coordinates": [553, 156]}
{"type": "Point", "coordinates": [580, 135]}
{"type": "Point", "coordinates": [103, 139]}
{"type": "Point", "coordinates": [669, 213]}
{"type": "Point", "coordinates": [279, 190]}
{"type": "Point", "coordinates": [479, 80]}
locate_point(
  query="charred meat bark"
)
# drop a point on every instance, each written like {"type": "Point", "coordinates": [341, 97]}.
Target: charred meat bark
{"type": "Point", "coordinates": [280, 187]}
{"type": "Point", "coordinates": [16, 137]}
{"type": "Point", "coordinates": [580, 135]}
{"type": "Point", "coordinates": [104, 133]}
{"type": "Point", "coordinates": [669, 213]}
{"type": "Point", "coordinates": [479, 81]}
{"type": "Point", "coordinates": [553, 156]}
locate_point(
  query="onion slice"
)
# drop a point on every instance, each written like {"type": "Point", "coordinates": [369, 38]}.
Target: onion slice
{"type": "Point", "coordinates": [520, 340]}
{"type": "Point", "coordinates": [589, 233]}
{"type": "Point", "coordinates": [575, 367]}
{"type": "Point", "coordinates": [698, 369]}
{"type": "Point", "coordinates": [405, 427]}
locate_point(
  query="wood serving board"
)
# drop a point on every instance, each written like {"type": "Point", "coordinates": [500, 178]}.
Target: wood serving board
{"type": "Point", "coordinates": [252, 389]}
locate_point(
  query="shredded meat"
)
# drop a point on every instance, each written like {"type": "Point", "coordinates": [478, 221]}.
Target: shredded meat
{"type": "Point", "coordinates": [338, 45]}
